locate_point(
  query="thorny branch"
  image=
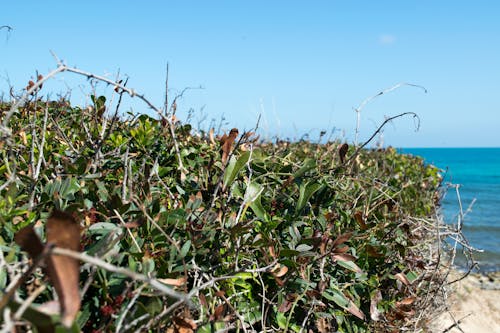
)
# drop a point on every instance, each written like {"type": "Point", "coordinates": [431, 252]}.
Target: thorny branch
{"type": "Point", "coordinates": [5, 130]}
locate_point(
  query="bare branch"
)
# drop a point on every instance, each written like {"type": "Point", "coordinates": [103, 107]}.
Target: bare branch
{"type": "Point", "coordinates": [369, 99]}
{"type": "Point", "coordinates": [123, 271]}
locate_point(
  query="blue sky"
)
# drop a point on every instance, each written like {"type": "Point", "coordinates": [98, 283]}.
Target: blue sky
{"type": "Point", "coordinates": [304, 66]}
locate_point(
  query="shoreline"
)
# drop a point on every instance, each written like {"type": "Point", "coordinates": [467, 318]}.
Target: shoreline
{"type": "Point", "coordinates": [473, 302]}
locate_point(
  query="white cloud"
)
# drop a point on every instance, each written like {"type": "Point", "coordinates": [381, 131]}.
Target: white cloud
{"type": "Point", "coordinates": [386, 39]}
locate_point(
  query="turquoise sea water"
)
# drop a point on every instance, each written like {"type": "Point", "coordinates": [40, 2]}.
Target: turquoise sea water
{"type": "Point", "coordinates": [477, 170]}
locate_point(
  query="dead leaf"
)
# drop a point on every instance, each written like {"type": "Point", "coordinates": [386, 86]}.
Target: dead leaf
{"type": "Point", "coordinates": [211, 136]}
{"type": "Point", "coordinates": [287, 303]}
{"type": "Point", "coordinates": [342, 249]}
{"type": "Point", "coordinates": [358, 216]}
{"type": "Point", "coordinates": [372, 251]}
{"type": "Point", "coordinates": [227, 144]}
{"type": "Point", "coordinates": [29, 241]}
{"type": "Point", "coordinates": [62, 231]}
{"type": "Point", "coordinates": [174, 282]}
{"type": "Point", "coordinates": [203, 300]}
{"type": "Point", "coordinates": [405, 303]}
{"type": "Point", "coordinates": [353, 308]}
{"type": "Point", "coordinates": [343, 151]}
{"type": "Point", "coordinates": [401, 277]}
{"type": "Point", "coordinates": [279, 270]}
{"type": "Point", "coordinates": [183, 322]}
{"type": "Point", "coordinates": [135, 224]}
{"type": "Point", "coordinates": [314, 294]}
{"type": "Point", "coordinates": [30, 84]}
{"type": "Point", "coordinates": [324, 325]}
{"type": "Point", "coordinates": [272, 252]}
{"type": "Point", "coordinates": [39, 78]}
{"type": "Point", "coordinates": [343, 257]}
{"type": "Point", "coordinates": [64, 272]}
{"type": "Point", "coordinates": [218, 312]}
{"type": "Point", "coordinates": [342, 239]}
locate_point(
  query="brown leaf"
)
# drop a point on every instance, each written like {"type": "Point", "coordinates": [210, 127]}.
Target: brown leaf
{"type": "Point", "coordinates": [30, 85]}
{"type": "Point", "coordinates": [372, 251]}
{"type": "Point", "coordinates": [343, 151]}
{"type": "Point", "coordinates": [313, 294]}
{"type": "Point", "coordinates": [203, 300]}
{"type": "Point", "coordinates": [174, 282]}
{"type": "Point", "coordinates": [272, 252]}
{"type": "Point", "coordinates": [227, 144]}
{"type": "Point", "coordinates": [342, 239]}
{"type": "Point", "coordinates": [343, 257]}
{"type": "Point", "coordinates": [342, 249]}
{"type": "Point", "coordinates": [285, 306]}
{"type": "Point", "coordinates": [64, 272]}
{"type": "Point", "coordinates": [405, 303]}
{"type": "Point", "coordinates": [39, 78]}
{"type": "Point", "coordinates": [353, 308]}
{"type": "Point", "coordinates": [135, 224]}
{"type": "Point", "coordinates": [287, 303]}
{"type": "Point", "coordinates": [358, 216]}
{"type": "Point", "coordinates": [279, 270]}
{"type": "Point", "coordinates": [219, 312]}
{"type": "Point", "coordinates": [211, 136]}
{"type": "Point", "coordinates": [401, 277]}
{"type": "Point", "coordinates": [324, 325]}
{"type": "Point", "coordinates": [29, 241]}
{"type": "Point", "coordinates": [183, 322]}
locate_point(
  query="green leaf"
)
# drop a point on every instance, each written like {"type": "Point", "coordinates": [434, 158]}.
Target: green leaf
{"type": "Point", "coordinates": [234, 167]}
{"type": "Point", "coordinates": [411, 276]}
{"type": "Point", "coordinates": [337, 297]}
{"type": "Point", "coordinates": [306, 191]}
{"type": "Point", "coordinates": [185, 248]}
{"type": "Point", "coordinates": [252, 198]}
{"type": "Point", "coordinates": [309, 164]}
{"type": "Point", "coordinates": [303, 247]}
{"type": "Point", "coordinates": [349, 265]}
{"type": "Point", "coordinates": [280, 317]}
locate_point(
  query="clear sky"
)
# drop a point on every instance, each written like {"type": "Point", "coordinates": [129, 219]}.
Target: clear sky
{"type": "Point", "coordinates": [303, 65]}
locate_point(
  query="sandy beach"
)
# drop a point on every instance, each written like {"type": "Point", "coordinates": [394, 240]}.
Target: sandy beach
{"type": "Point", "coordinates": [475, 302]}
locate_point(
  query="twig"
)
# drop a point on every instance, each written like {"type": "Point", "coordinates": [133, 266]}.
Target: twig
{"type": "Point", "coordinates": [125, 175]}
{"type": "Point", "coordinates": [120, 270]}
{"type": "Point", "coordinates": [123, 314]}
{"type": "Point", "coordinates": [14, 285]}
{"type": "Point", "coordinates": [131, 92]}
{"type": "Point", "coordinates": [158, 317]}
{"type": "Point", "coordinates": [11, 179]}
{"type": "Point", "coordinates": [42, 144]}
{"type": "Point", "coordinates": [376, 132]}
{"type": "Point", "coordinates": [27, 302]}
{"type": "Point", "coordinates": [24, 98]}
{"type": "Point", "coordinates": [369, 99]}
{"type": "Point", "coordinates": [128, 230]}
{"type": "Point", "coordinates": [457, 323]}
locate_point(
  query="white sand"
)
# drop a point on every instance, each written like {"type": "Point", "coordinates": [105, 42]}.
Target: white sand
{"type": "Point", "coordinates": [477, 298]}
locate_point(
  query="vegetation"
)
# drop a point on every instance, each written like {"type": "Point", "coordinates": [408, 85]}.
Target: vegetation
{"type": "Point", "coordinates": [185, 231]}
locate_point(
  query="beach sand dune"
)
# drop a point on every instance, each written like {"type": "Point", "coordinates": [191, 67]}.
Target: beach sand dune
{"type": "Point", "coordinates": [475, 301]}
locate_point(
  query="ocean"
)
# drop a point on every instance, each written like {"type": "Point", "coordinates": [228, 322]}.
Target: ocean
{"type": "Point", "coordinates": [477, 170]}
